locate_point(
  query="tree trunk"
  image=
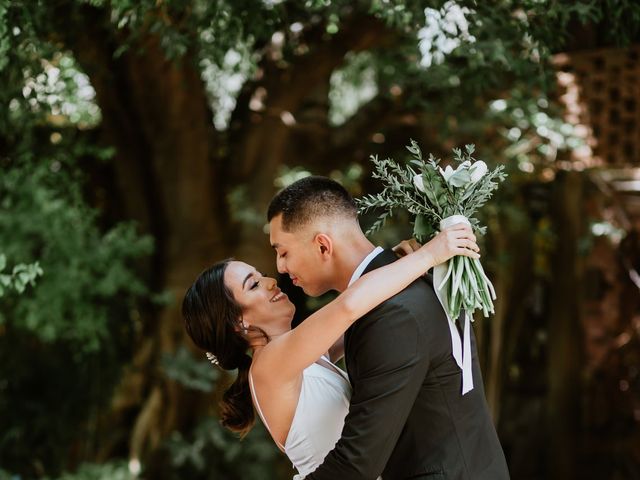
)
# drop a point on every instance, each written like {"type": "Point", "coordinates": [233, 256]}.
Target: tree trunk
{"type": "Point", "coordinates": [154, 112]}
{"type": "Point", "coordinates": [565, 365]}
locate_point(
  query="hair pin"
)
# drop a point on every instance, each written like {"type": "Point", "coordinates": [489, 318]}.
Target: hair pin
{"type": "Point", "coordinates": [212, 358]}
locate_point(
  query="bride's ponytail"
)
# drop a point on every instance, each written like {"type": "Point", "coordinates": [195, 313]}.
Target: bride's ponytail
{"type": "Point", "coordinates": [236, 408]}
{"type": "Point", "coordinates": [211, 317]}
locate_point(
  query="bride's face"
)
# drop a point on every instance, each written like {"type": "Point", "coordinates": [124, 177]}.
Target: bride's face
{"type": "Point", "coordinates": [263, 304]}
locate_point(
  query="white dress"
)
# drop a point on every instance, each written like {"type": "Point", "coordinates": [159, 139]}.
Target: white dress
{"type": "Point", "coordinates": [319, 416]}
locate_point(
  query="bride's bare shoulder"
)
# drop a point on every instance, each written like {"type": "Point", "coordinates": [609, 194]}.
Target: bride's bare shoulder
{"type": "Point", "coordinates": [266, 367]}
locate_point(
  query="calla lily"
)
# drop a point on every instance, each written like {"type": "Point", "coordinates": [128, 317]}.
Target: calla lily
{"type": "Point", "coordinates": [447, 173]}
{"type": "Point", "coordinates": [477, 171]}
{"type": "Point", "coordinates": [419, 182]}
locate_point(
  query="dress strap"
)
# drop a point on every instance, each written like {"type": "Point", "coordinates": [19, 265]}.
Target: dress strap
{"type": "Point", "coordinates": [255, 401]}
{"type": "Point", "coordinates": [332, 366]}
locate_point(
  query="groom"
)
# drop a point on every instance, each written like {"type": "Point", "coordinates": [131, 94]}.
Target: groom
{"type": "Point", "coordinates": [407, 417]}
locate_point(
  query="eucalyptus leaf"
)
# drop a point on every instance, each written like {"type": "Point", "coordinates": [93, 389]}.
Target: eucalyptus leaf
{"type": "Point", "coordinates": [460, 178]}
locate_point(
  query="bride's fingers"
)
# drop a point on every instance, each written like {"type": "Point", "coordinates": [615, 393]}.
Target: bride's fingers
{"type": "Point", "coordinates": [414, 244]}
{"type": "Point", "coordinates": [405, 247]}
{"type": "Point", "coordinates": [461, 226]}
{"type": "Point", "coordinates": [462, 230]}
{"type": "Point", "coordinates": [467, 252]}
{"type": "Point", "coordinates": [466, 236]}
{"type": "Point", "coordinates": [468, 244]}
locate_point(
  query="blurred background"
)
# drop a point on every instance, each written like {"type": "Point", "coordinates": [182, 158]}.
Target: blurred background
{"type": "Point", "coordinates": [140, 141]}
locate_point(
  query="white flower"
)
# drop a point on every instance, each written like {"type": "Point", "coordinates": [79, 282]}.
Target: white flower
{"type": "Point", "coordinates": [447, 173]}
{"type": "Point", "coordinates": [419, 182]}
{"type": "Point", "coordinates": [477, 171]}
{"type": "Point", "coordinates": [463, 165]}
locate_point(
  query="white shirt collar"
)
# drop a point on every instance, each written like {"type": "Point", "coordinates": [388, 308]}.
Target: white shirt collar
{"type": "Point", "coordinates": [367, 260]}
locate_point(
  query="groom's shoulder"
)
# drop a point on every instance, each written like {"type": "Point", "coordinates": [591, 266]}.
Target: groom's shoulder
{"type": "Point", "coordinates": [419, 297]}
{"type": "Point", "coordinates": [417, 301]}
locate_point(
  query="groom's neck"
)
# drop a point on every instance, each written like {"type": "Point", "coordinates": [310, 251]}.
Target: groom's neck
{"type": "Point", "coordinates": [352, 254]}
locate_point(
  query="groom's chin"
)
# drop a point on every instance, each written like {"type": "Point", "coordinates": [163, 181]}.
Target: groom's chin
{"type": "Point", "coordinates": [313, 292]}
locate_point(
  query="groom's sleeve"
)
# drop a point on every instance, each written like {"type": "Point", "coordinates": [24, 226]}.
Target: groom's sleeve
{"type": "Point", "coordinates": [390, 370]}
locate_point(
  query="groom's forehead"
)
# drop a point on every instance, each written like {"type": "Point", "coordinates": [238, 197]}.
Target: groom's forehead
{"type": "Point", "coordinates": [277, 235]}
{"type": "Point", "coordinates": [280, 237]}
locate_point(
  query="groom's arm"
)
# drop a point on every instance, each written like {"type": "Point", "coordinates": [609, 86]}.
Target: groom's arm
{"type": "Point", "coordinates": [391, 369]}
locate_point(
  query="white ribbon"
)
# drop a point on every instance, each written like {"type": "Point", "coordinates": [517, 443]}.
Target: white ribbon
{"type": "Point", "coordinates": [461, 347]}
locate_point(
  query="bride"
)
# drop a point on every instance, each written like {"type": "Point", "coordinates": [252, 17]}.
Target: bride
{"type": "Point", "coordinates": [243, 321]}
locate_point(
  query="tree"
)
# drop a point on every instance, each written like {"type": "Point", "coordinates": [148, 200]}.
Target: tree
{"type": "Point", "coordinates": [199, 105]}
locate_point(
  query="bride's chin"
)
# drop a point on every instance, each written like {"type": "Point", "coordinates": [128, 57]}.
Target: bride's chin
{"type": "Point", "coordinates": [292, 307]}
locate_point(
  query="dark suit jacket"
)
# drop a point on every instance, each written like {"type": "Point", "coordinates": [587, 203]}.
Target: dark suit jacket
{"type": "Point", "coordinates": [408, 418]}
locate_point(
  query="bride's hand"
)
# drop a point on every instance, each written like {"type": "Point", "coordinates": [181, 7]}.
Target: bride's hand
{"type": "Point", "coordinates": [455, 240]}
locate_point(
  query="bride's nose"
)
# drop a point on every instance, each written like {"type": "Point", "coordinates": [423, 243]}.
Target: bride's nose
{"type": "Point", "coordinates": [272, 284]}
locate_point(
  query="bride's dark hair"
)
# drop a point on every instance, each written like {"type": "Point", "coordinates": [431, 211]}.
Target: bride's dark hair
{"type": "Point", "coordinates": [212, 319]}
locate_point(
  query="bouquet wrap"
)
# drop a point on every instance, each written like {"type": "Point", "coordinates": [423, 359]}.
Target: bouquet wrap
{"type": "Point", "coordinates": [443, 283]}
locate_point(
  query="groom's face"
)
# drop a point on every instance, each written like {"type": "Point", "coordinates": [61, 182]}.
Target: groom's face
{"type": "Point", "coordinates": [299, 256]}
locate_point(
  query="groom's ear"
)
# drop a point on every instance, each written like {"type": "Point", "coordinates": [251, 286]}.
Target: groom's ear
{"type": "Point", "coordinates": [324, 244]}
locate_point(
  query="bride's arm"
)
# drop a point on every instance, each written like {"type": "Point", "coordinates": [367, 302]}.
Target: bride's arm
{"type": "Point", "coordinates": [292, 352]}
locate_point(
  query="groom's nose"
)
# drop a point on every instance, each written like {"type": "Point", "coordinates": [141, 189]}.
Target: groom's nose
{"type": "Point", "coordinates": [280, 265]}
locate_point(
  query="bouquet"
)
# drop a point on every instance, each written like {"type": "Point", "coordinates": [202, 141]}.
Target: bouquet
{"type": "Point", "coordinates": [439, 198]}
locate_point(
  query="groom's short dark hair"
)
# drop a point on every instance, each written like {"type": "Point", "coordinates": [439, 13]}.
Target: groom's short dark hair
{"type": "Point", "coordinates": [309, 198]}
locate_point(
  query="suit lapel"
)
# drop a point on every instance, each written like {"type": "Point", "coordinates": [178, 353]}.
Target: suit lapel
{"type": "Point", "coordinates": [383, 258]}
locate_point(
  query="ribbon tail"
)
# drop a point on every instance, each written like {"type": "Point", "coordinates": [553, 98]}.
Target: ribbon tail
{"type": "Point", "coordinates": [467, 367]}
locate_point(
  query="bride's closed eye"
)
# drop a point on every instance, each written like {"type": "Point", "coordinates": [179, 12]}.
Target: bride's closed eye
{"type": "Point", "coordinates": [256, 283]}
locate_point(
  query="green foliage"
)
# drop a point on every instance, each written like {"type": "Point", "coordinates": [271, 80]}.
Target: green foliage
{"type": "Point", "coordinates": [352, 86]}
{"type": "Point", "coordinates": [60, 93]}
{"type": "Point", "coordinates": [20, 277]}
{"type": "Point", "coordinates": [5, 44]}
{"type": "Point", "coordinates": [194, 373]}
{"type": "Point", "coordinates": [105, 471]}
{"type": "Point", "coordinates": [535, 135]}
{"type": "Point", "coordinates": [211, 452]}
{"type": "Point", "coordinates": [44, 218]}
{"type": "Point", "coordinates": [62, 343]}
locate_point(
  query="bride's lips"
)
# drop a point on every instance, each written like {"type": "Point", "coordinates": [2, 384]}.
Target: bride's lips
{"type": "Point", "coordinates": [280, 295]}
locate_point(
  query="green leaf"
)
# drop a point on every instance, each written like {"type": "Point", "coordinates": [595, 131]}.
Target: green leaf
{"type": "Point", "coordinates": [24, 277]}
{"type": "Point", "coordinates": [3, 262]}
{"type": "Point", "coordinates": [422, 228]}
